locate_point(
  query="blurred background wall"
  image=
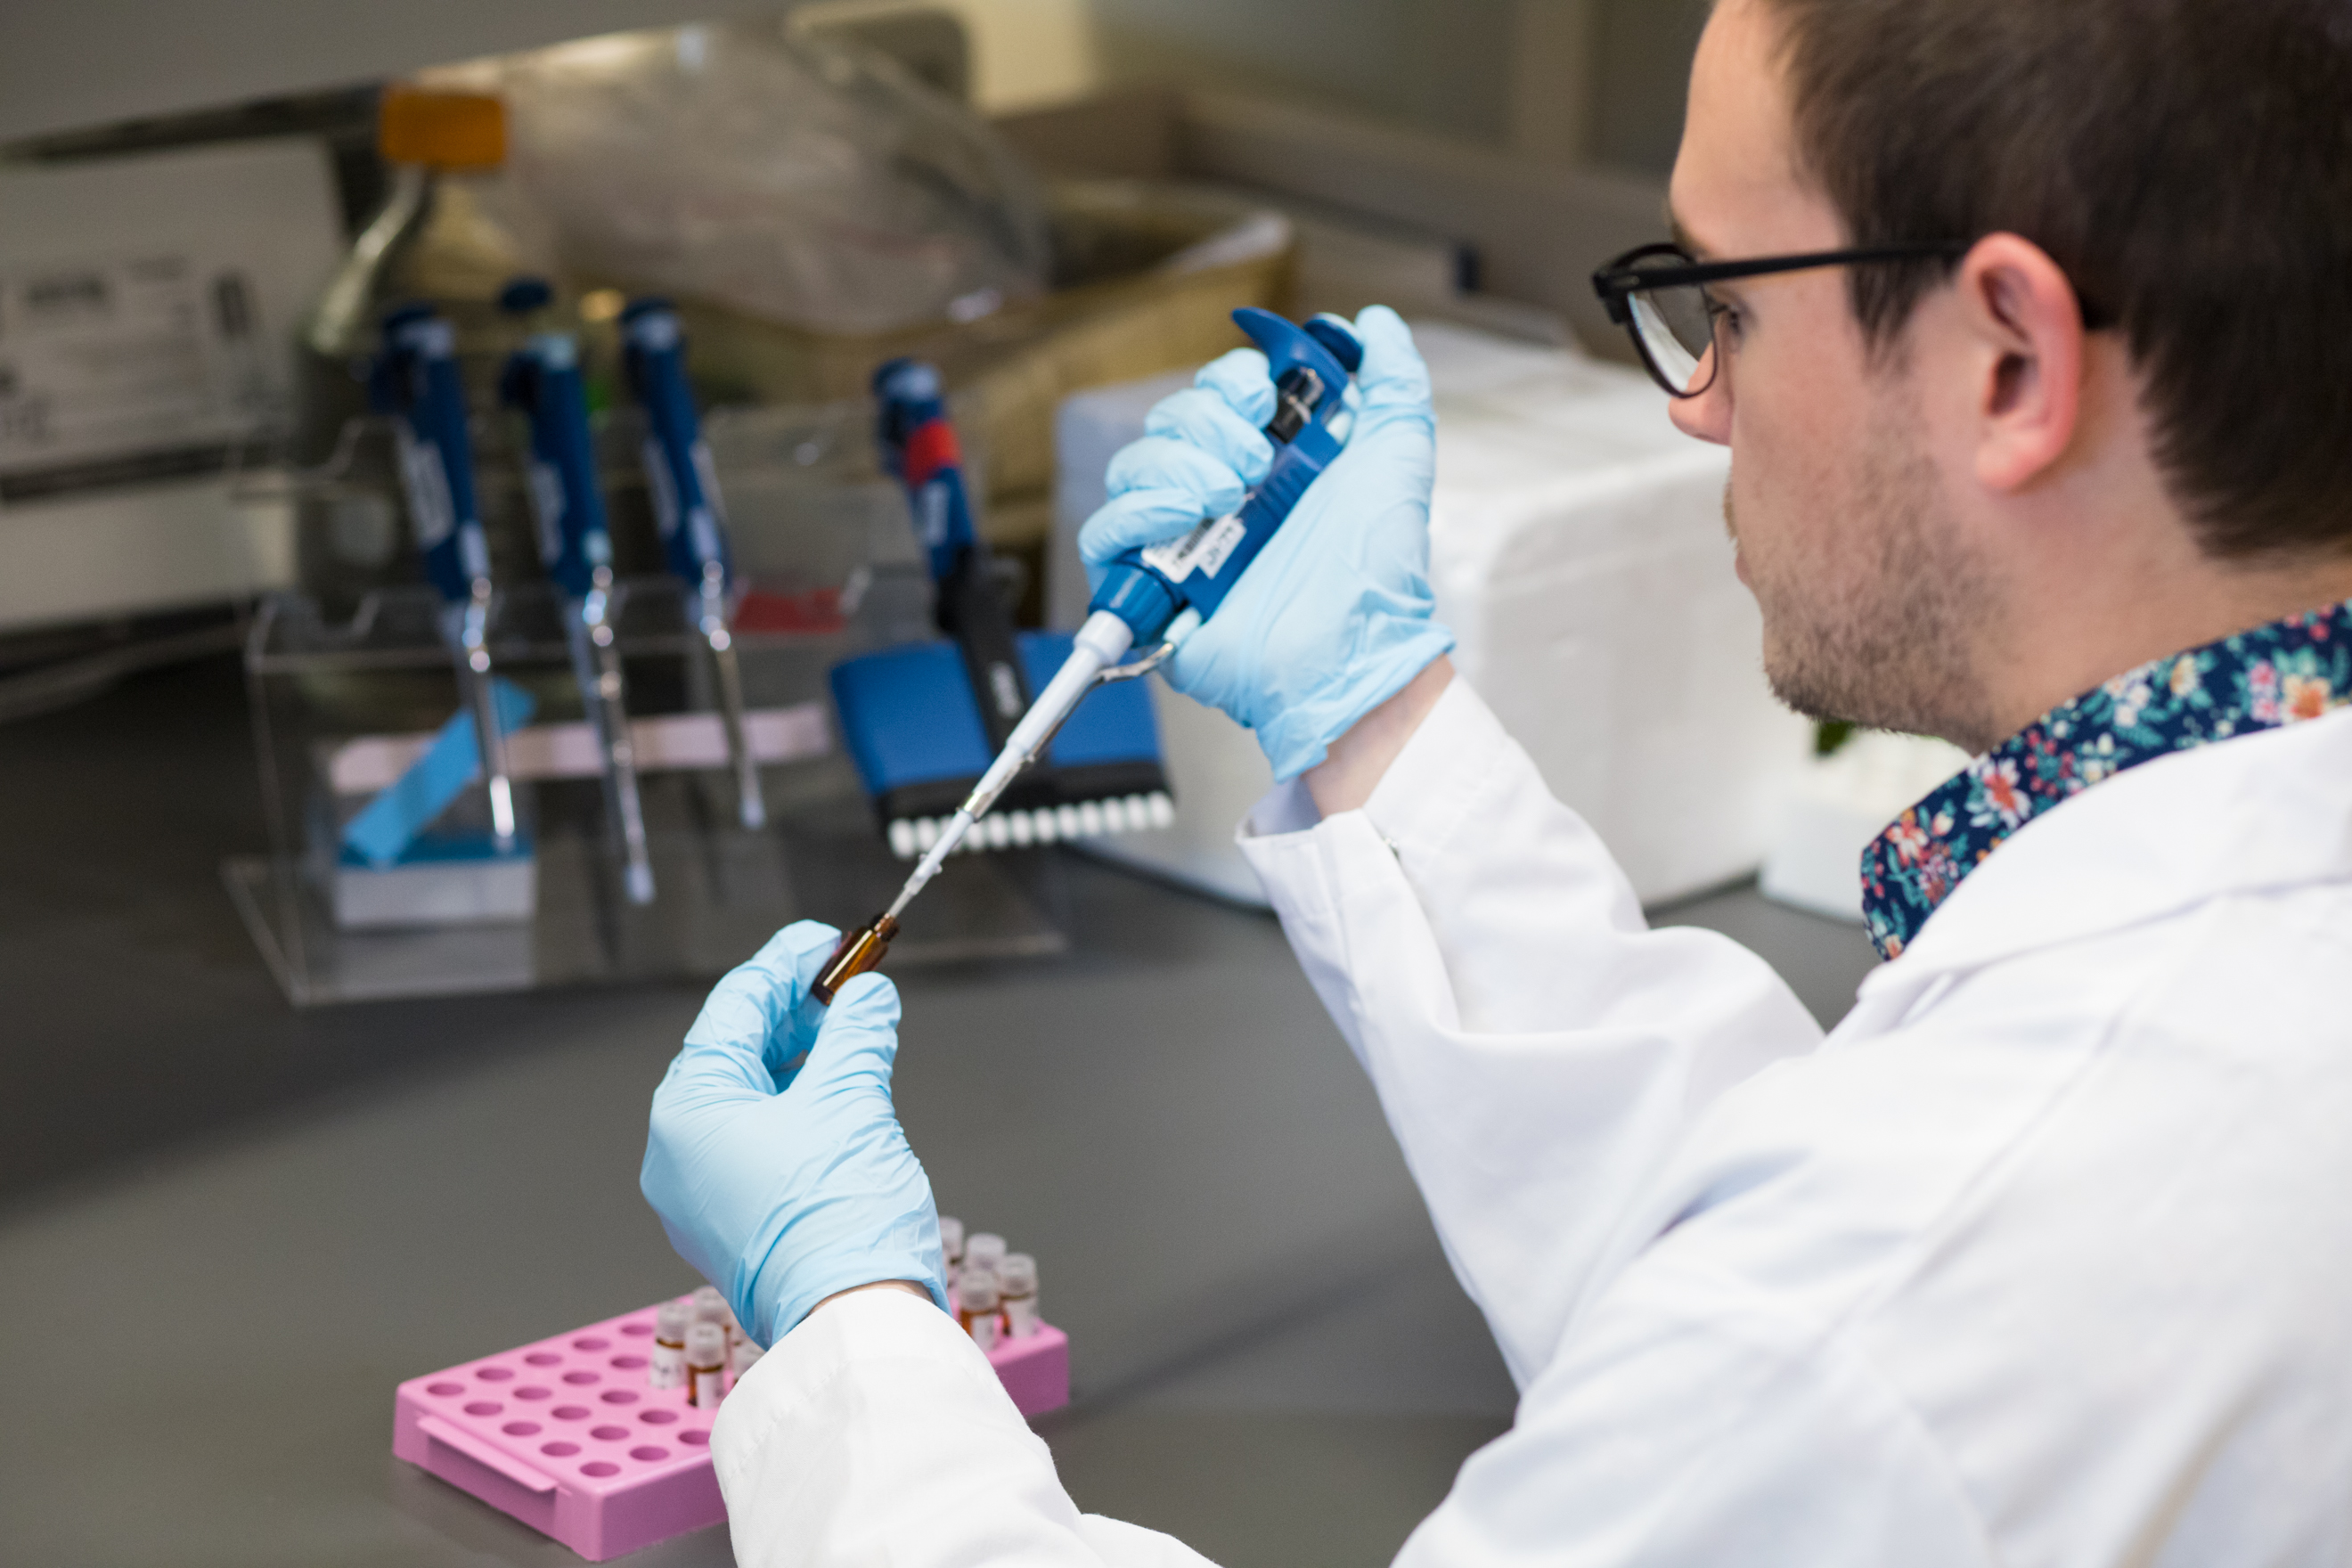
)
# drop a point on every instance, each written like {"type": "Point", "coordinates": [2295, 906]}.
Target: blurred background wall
{"type": "Point", "coordinates": [1560, 81]}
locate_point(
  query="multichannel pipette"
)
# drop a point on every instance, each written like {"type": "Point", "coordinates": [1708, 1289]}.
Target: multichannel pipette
{"type": "Point", "coordinates": [415, 378]}
{"type": "Point", "coordinates": [685, 485]}
{"type": "Point", "coordinates": [543, 379]}
{"type": "Point", "coordinates": [922, 727]}
{"type": "Point", "coordinates": [1156, 597]}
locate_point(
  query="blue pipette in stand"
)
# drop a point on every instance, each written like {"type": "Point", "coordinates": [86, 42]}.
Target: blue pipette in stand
{"type": "Point", "coordinates": [415, 378]}
{"type": "Point", "coordinates": [685, 486]}
{"type": "Point", "coordinates": [1156, 597]}
{"type": "Point", "coordinates": [543, 379]}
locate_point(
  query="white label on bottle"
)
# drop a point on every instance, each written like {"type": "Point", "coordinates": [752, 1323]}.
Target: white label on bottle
{"type": "Point", "coordinates": [1021, 1315]}
{"type": "Point", "coordinates": [668, 1366]}
{"type": "Point", "coordinates": [983, 1332]}
{"type": "Point", "coordinates": [709, 1385]}
{"type": "Point", "coordinates": [1205, 550]}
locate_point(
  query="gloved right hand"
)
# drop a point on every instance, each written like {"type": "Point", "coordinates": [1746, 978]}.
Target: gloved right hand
{"type": "Point", "coordinates": [775, 1158]}
{"type": "Point", "coordinates": [1334, 616]}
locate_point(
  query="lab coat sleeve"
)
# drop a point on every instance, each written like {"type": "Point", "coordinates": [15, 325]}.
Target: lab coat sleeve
{"type": "Point", "coordinates": [1537, 1048]}
{"type": "Point", "coordinates": [875, 1432]}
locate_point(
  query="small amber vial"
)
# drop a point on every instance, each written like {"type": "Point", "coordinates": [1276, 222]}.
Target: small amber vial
{"type": "Point", "coordinates": [979, 1308]}
{"type": "Point", "coordinates": [1016, 1283]}
{"type": "Point", "coordinates": [668, 1368]}
{"type": "Point", "coordinates": [859, 950]}
{"type": "Point", "coordinates": [706, 1365]}
{"type": "Point", "coordinates": [952, 1247]}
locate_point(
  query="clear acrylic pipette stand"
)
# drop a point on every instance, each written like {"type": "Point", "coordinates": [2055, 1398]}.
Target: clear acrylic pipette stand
{"type": "Point", "coordinates": [338, 704]}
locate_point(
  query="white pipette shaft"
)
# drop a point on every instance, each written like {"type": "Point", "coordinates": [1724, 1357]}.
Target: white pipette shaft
{"type": "Point", "coordinates": [1100, 643]}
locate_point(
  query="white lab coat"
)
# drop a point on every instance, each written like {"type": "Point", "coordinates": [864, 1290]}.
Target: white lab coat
{"type": "Point", "coordinates": [2044, 1257]}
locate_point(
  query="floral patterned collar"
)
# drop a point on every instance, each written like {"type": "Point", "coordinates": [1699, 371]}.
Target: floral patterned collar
{"type": "Point", "coordinates": [2296, 668]}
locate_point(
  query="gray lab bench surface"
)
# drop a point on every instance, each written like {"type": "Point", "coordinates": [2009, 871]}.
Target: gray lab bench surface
{"type": "Point", "coordinates": [227, 1229]}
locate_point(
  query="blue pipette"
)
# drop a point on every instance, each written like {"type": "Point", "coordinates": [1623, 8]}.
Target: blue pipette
{"type": "Point", "coordinates": [685, 485]}
{"type": "Point", "coordinates": [415, 378]}
{"type": "Point", "coordinates": [543, 379]}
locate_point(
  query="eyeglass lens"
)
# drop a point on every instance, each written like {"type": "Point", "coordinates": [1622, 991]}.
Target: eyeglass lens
{"type": "Point", "coordinates": [1676, 329]}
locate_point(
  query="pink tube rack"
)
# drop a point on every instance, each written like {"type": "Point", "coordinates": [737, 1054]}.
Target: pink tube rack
{"type": "Point", "coordinates": [569, 1436]}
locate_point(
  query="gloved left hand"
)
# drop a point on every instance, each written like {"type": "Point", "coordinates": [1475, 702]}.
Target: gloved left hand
{"type": "Point", "coordinates": [775, 1158]}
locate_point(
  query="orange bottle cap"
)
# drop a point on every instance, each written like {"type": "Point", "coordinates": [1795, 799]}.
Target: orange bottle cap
{"type": "Point", "coordinates": [444, 130]}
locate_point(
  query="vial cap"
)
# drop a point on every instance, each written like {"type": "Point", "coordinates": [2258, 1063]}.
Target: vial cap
{"type": "Point", "coordinates": [670, 1321]}
{"type": "Point", "coordinates": [442, 130]}
{"type": "Point", "coordinates": [984, 1250]}
{"type": "Point", "coordinates": [705, 1345]}
{"type": "Point", "coordinates": [951, 1237]}
{"type": "Point", "coordinates": [1018, 1274]}
{"type": "Point", "coordinates": [977, 1293]}
{"type": "Point", "coordinates": [710, 1307]}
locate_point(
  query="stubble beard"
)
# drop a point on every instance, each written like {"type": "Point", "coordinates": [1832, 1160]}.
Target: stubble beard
{"type": "Point", "coordinates": [1880, 627]}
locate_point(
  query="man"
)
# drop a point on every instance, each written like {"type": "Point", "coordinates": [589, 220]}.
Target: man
{"type": "Point", "coordinates": [2045, 1254]}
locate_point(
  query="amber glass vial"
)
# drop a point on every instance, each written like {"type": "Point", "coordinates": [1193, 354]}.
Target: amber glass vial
{"type": "Point", "coordinates": [860, 950]}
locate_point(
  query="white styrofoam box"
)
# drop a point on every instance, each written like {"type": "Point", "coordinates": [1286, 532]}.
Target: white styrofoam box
{"type": "Point", "coordinates": [150, 304]}
{"type": "Point", "coordinates": [1577, 549]}
{"type": "Point", "coordinates": [1837, 805]}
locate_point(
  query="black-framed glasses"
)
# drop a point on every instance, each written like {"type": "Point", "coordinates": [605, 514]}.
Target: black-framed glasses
{"type": "Point", "coordinates": [1658, 294]}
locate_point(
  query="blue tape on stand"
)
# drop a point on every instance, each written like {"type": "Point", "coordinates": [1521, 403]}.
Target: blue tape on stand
{"type": "Point", "coordinates": [389, 823]}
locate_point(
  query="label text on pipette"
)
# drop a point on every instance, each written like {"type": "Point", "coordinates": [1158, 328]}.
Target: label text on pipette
{"type": "Point", "coordinates": [1205, 549]}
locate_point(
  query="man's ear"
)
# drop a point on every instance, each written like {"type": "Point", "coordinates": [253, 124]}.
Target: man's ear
{"type": "Point", "coordinates": [2019, 310]}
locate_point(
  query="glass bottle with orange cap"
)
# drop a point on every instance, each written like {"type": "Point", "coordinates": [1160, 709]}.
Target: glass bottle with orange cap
{"type": "Point", "coordinates": [436, 241]}
{"type": "Point", "coordinates": [432, 140]}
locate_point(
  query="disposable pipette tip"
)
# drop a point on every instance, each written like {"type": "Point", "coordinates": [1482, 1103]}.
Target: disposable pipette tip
{"type": "Point", "coordinates": [502, 812]}
{"type": "Point", "coordinates": [641, 884]}
{"type": "Point", "coordinates": [928, 867]}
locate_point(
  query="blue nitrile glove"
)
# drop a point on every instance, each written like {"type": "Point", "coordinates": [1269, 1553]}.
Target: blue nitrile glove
{"type": "Point", "coordinates": [775, 1159]}
{"type": "Point", "coordinates": [1335, 618]}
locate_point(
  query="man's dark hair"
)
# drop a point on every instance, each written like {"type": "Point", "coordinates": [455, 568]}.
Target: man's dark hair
{"type": "Point", "coordinates": [2189, 162]}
